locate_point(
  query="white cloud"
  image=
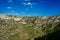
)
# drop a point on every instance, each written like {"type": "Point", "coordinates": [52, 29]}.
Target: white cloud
{"type": "Point", "coordinates": [13, 14]}
{"type": "Point", "coordinates": [29, 3]}
{"type": "Point", "coordinates": [27, 0]}
{"type": "Point", "coordinates": [10, 0]}
{"type": "Point", "coordinates": [12, 11]}
{"type": "Point", "coordinates": [9, 7]}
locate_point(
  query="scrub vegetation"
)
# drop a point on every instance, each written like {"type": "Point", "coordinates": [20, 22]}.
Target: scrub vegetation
{"type": "Point", "coordinates": [27, 28]}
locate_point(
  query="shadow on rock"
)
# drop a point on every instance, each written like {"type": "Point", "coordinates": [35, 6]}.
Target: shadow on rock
{"type": "Point", "coordinates": [53, 36]}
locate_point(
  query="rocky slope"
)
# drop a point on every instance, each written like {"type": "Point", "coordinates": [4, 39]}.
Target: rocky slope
{"type": "Point", "coordinates": [27, 28]}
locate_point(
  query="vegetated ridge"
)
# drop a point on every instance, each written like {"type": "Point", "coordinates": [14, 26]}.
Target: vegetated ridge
{"type": "Point", "coordinates": [27, 28]}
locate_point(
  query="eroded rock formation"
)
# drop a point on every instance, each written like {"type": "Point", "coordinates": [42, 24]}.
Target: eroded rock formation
{"type": "Point", "coordinates": [27, 28]}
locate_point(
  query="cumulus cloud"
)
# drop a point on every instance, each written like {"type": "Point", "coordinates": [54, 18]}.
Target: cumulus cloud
{"type": "Point", "coordinates": [28, 3]}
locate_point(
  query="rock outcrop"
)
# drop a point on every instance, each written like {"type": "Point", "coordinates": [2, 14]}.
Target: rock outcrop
{"type": "Point", "coordinates": [27, 28]}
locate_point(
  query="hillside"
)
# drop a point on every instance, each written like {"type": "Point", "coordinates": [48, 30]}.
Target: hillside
{"type": "Point", "coordinates": [27, 28]}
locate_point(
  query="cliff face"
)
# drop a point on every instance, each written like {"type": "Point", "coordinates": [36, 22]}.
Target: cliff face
{"type": "Point", "coordinates": [27, 28]}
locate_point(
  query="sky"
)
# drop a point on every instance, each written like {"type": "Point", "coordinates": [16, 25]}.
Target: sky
{"type": "Point", "coordinates": [30, 7]}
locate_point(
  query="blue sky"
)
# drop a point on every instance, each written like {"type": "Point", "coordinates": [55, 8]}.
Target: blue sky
{"type": "Point", "coordinates": [30, 7]}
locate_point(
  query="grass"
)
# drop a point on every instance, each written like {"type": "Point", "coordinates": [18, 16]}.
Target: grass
{"type": "Point", "coordinates": [14, 37]}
